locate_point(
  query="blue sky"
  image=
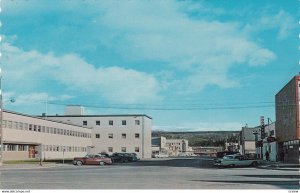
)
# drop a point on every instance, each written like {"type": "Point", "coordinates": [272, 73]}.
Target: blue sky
{"type": "Point", "coordinates": [190, 65]}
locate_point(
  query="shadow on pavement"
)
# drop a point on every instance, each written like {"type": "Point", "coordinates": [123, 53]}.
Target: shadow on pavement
{"type": "Point", "coordinates": [291, 184]}
{"type": "Point", "coordinates": [176, 162]}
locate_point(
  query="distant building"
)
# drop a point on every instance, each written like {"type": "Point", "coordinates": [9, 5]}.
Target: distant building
{"type": "Point", "coordinates": [287, 121]}
{"type": "Point", "coordinates": [172, 147]}
{"type": "Point", "coordinates": [209, 151]}
{"type": "Point", "coordinates": [248, 140]}
{"type": "Point", "coordinates": [231, 146]}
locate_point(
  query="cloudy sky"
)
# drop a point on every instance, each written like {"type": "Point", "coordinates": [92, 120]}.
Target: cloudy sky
{"type": "Point", "coordinates": [190, 65]}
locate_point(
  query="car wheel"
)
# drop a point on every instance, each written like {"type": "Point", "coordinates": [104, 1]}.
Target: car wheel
{"type": "Point", "coordinates": [79, 163]}
{"type": "Point", "coordinates": [101, 163]}
{"type": "Point", "coordinates": [254, 164]}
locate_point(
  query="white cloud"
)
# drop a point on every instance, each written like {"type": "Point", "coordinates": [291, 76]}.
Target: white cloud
{"type": "Point", "coordinates": [156, 31]}
{"type": "Point", "coordinates": [113, 83]}
{"type": "Point", "coordinates": [160, 31]}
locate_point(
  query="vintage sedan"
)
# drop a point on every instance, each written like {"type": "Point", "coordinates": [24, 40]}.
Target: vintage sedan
{"type": "Point", "coordinates": [92, 160]}
{"type": "Point", "coordinates": [236, 160]}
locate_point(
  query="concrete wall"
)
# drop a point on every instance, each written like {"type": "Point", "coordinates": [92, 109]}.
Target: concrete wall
{"type": "Point", "coordinates": [130, 142]}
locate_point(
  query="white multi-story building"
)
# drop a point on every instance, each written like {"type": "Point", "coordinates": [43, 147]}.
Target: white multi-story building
{"type": "Point", "coordinates": [115, 133]}
{"type": "Point", "coordinates": [27, 137]}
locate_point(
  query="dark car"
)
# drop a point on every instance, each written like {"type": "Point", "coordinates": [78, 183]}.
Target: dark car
{"type": "Point", "coordinates": [121, 157]}
{"type": "Point", "coordinates": [133, 156]}
{"type": "Point", "coordinates": [92, 160]}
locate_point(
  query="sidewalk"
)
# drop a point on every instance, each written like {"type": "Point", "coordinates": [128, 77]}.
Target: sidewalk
{"type": "Point", "coordinates": [279, 166]}
{"type": "Point", "coordinates": [30, 166]}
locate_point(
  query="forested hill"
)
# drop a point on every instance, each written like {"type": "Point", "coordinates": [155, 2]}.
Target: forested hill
{"type": "Point", "coordinates": [201, 138]}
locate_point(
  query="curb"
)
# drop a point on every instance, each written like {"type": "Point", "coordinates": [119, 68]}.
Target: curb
{"type": "Point", "coordinates": [17, 167]}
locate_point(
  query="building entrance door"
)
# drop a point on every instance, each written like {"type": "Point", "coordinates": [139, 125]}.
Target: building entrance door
{"type": "Point", "coordinates": [31, 151]}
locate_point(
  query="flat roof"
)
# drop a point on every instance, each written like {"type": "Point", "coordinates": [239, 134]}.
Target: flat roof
{"type": "Point", "coordinates": [43, 118]}
{"type": "Point", "coordinates": [124, 115]}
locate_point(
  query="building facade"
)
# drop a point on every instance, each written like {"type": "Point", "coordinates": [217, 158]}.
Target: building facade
{"type": "Point", "coordinates": [287, 121]}
{"type": "Point", "coordinates": [270, 143]}
{"type": "Point", "coordinates": [115, 133]}
{"type": "Point", "coordinates": [171, 147]}
{"type": "Point", "coordinates": [248, 140]}
{"type": "Point", "coordinates": [28, 137]}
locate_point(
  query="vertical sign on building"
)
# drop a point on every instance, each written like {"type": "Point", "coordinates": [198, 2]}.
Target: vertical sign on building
{"type": "Point", "coordinates": [262, 127]}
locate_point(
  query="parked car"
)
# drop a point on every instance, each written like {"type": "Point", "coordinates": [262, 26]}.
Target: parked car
{"type": "Point", "coordinates": [160, 155]}
{"type": "Point", "coordinates": [133, 156]}
{"type": "Point", "coordinates": [121, 157]}
{"type": "Point", "coordinates": [92, 160]}
{"type": "Point", "coordinates": [236, 160]}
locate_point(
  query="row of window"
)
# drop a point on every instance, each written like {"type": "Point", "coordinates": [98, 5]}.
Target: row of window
{"type": "Point", "coordinates": [111, 122]}
{"type": "Point", "coordinates": [57, 148]}
{"type": "Point", "coordinates": [13, 147]}
{"type": "Point", "coordinates": [111, 135]}
{"type": "Point", "coordinates": [123, 149]}
{"type": "Point", "coordinates": [43, 129]}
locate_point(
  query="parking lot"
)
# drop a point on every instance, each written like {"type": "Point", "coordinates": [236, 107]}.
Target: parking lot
{"type": "Point", "coordinates": [180, 173]}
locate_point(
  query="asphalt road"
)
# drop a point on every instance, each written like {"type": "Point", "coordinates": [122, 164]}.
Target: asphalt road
{"type": "Point", "coordinates": [185, 173]}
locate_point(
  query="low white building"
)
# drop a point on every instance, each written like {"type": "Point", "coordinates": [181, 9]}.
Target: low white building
{"type": "Point", "coordinates": [28, 137]}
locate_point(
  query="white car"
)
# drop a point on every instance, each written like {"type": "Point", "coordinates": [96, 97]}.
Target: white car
{"type": "Point", "coordinates": [236, 160]}
{"type": "Point", "coordinates": [160, 155]}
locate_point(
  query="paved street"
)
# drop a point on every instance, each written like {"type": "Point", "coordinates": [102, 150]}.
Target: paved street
{"type": "Point", "coordinates": [185, 173]}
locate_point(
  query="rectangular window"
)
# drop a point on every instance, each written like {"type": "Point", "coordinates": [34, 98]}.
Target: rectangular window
{"type": "Point", "coordinates": [25, 126]}
{"type": "Point", "coordinates": [137, 135]}
{"type": "Point", "coordinates": [137, 122]}
{"type": "Point", "coordinates": [51, 130]}
{"type": "Point", "coordinates": [43, 129]}
{"type": "Point", "coordinates": [21, 126]}
{"type": "Point", "coordinates": [110, 149]}
{"type": "Point", "coordinates": [11, 147]}
{"type": "Point", "coordinates": [65, 132]}
{"type": "Point", "coordinates": [4, 123]}
{"type": "Point", "coordinates": [34, 127]}
{"type": "Point", "coordinates": [97, 122]}
{"type": "Point", "coordinates": [22, 148]}
{"type": "Point", "coordinates": [137, 149]}
{"type": "Point", "coordinates": [110, 135]}
{"type": "Point", "coordinates": [30, 127]}
{"type": "Point", "coordinates": [111, 122]}
{"type": "Point", "coordinates": [39, 128]}
{"type": "Point", "coordinates": [15, 125]}
{"type": "Point", "coordinates": [84, 123]}
{"type": "Point", "coordinates": [123, 149]}
{"type": "Point", "coordinates": [97, 135]}
{"type": "Point", "coordinates": [47, 130]}
{"type": "Point", "coordinates": [9, 124]}
{"type": "Point", "coordinates": [124, 122]}
{"type": "Point", "coordinates": [123, 135]}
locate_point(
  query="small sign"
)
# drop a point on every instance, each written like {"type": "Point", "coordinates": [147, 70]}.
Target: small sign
{"type": "Point", "coordinates": [271, 139]}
